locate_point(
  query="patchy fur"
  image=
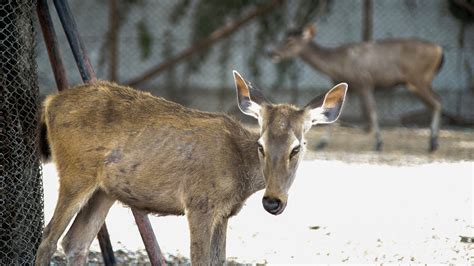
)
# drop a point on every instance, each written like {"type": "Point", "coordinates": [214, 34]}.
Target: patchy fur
{"type": "Point", "coordinates": [111, 142]}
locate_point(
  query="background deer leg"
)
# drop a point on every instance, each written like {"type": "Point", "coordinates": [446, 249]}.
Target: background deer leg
{"type": "Point", "coordinates": [218, 243]}
{"type": "Point", "coordinates": [200, 225]}
{"type": "Point", "coordinates": [368, 103]}
{"type": "Point", "coordinates": [324, 140]}
{"type": "Point", "coordinates": [365, 113]}
{"type": "Point", "coordinates": [69, 203]}
{"type": "Point", "coordinates": [432, 101]}
{"type": "Point", "coordinates": [85, 227]}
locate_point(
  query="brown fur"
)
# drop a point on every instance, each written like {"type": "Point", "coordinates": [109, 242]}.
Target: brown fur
{"type": "Point", "coordinates": [111, 142]}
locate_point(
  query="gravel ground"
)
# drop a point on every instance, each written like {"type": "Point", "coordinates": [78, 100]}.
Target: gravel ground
{"type": "Point", "coordinates": [402, 146]}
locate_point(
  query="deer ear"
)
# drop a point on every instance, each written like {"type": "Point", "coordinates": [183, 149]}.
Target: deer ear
{"type": "Point", "coordinates": [246, 104]}
{"type": "Point", "coordinates": [309, 32]}
{"type": "Point", "coordinates": [325, 109]}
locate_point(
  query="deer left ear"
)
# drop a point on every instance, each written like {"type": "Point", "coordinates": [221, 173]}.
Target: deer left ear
{"type": "Point", "coordinates": [325, 109]}
{"type": "Point", "coordinates": [248, 99]}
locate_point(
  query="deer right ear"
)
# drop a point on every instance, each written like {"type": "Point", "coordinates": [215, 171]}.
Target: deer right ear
{"type": "Point", "coordinates": [246, 105]}
{"type": "Point", "coordinates": [325, 109]}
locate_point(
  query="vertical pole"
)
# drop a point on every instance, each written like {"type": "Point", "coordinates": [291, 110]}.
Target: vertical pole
{"type": "Point", "coordinates": [367, 20]}
{"type": "Point", "coordinates": [77, 47]}
{"type": "Point", "coordinates": [112, 39]}
{"type": "Point", "coordinates": [51, 42]}
{"type": "Point", "coordinates": [88, 74]}
{"type": "Point", "coordinates": [106, 246]}
{"type": "Point", "coordinates": [153, 249]}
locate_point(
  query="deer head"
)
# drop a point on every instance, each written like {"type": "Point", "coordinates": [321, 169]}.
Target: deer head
{"type": "Point", "coordinates": [282, 128]}
{"type": "Point", "coordinates": [293, 43]}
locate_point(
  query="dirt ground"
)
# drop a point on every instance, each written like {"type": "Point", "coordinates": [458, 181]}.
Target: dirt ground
{"type": "Point", "coordinates": [388, 230]}
{"type": "Point", "coordinates": [401, 145]}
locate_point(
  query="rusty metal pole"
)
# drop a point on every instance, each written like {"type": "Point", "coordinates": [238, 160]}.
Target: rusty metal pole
{"type": "Point", "coordinates": [87, 74]}
{"type": "Point", "coordinates": [72, 34]}
{"type": "Point", "coordinates": [51, 42]}
{"type": "Point", "coordinates": [153, 249]}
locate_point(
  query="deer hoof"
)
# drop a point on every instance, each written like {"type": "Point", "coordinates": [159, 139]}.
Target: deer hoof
{"type": "Point", "coordinates": [433, 144]}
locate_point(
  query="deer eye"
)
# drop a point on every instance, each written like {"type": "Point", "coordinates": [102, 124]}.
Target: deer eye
{"type": "Point", "coordinates": [295, 151]}
{"type": "Point", "coordinates": [260, 149]}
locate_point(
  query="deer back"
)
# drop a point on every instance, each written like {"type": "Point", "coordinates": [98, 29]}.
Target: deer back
{"type": "Point", "coordinates": [140, 148]}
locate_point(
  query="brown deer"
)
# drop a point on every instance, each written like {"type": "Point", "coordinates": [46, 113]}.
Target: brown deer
{"type": "Point", "coordinates": [114, 143]}
{"type": "Point", "coordinates": [369, 65]}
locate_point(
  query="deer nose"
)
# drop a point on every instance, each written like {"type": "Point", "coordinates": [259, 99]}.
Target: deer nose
{"type": "Point", "coordinates": [272, 205]}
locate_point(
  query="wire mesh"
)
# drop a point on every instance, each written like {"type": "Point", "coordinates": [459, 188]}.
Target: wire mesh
{"type": "Point", "coordinates": [21, 194]}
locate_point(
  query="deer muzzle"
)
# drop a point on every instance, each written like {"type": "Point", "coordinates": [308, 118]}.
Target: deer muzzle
{"type": "Point", "coordinates": [273, 205]}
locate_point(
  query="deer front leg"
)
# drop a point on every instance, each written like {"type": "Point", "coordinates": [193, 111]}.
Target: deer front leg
{"type": "Point", "coordinates": [200, 225]}
{"type": "Point", "coordinates": [218, 243]}
{"type": "Point", "coordinates": [368, 103]}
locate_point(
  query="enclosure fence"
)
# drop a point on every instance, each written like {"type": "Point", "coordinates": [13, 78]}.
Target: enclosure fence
{"type": "Point", "coordinates": [21, 193]}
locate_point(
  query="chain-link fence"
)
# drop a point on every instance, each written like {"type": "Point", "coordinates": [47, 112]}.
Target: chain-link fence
{"type": "Point", "coordinates": [21, 194]}
{"type": "Point", "coordinates": [152, 32]}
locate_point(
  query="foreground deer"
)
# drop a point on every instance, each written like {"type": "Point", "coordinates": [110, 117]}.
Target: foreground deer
{"type": "Point", "coordinates": [369, 65]}
{"type": "Point", "coordinates": [114, 143]}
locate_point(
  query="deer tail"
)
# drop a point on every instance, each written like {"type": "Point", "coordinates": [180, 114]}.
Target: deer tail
{"type": "Point", "coordinates": [44, 149]}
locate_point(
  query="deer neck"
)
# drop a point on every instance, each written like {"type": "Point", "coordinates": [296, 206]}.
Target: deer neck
{"type": "Point", "coordinates": [252, 174]}
{"type": "Point", "coordinates": [321, 58]}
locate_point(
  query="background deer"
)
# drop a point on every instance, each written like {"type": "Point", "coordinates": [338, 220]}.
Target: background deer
{"type": "Point", "coordinates": [114, 143]}
{"type": "Point", "coordinates": [369, 65]}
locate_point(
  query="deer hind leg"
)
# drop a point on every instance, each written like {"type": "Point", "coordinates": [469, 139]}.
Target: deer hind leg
{"type": "Point", "coordinates": [218, 242]}
{"type": "Point", "coordinates": [324, 140]}
{"type": "Point", "coordinates": [368, 103]}
{"type": "Point", "coordinates": [365, 113]}
{"type": "Point", "coordinates": [85, 227]}
{"type": "Point", "coordinates": [69, 203]}
{"type": "Point", "coordinates": [431, 100]}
